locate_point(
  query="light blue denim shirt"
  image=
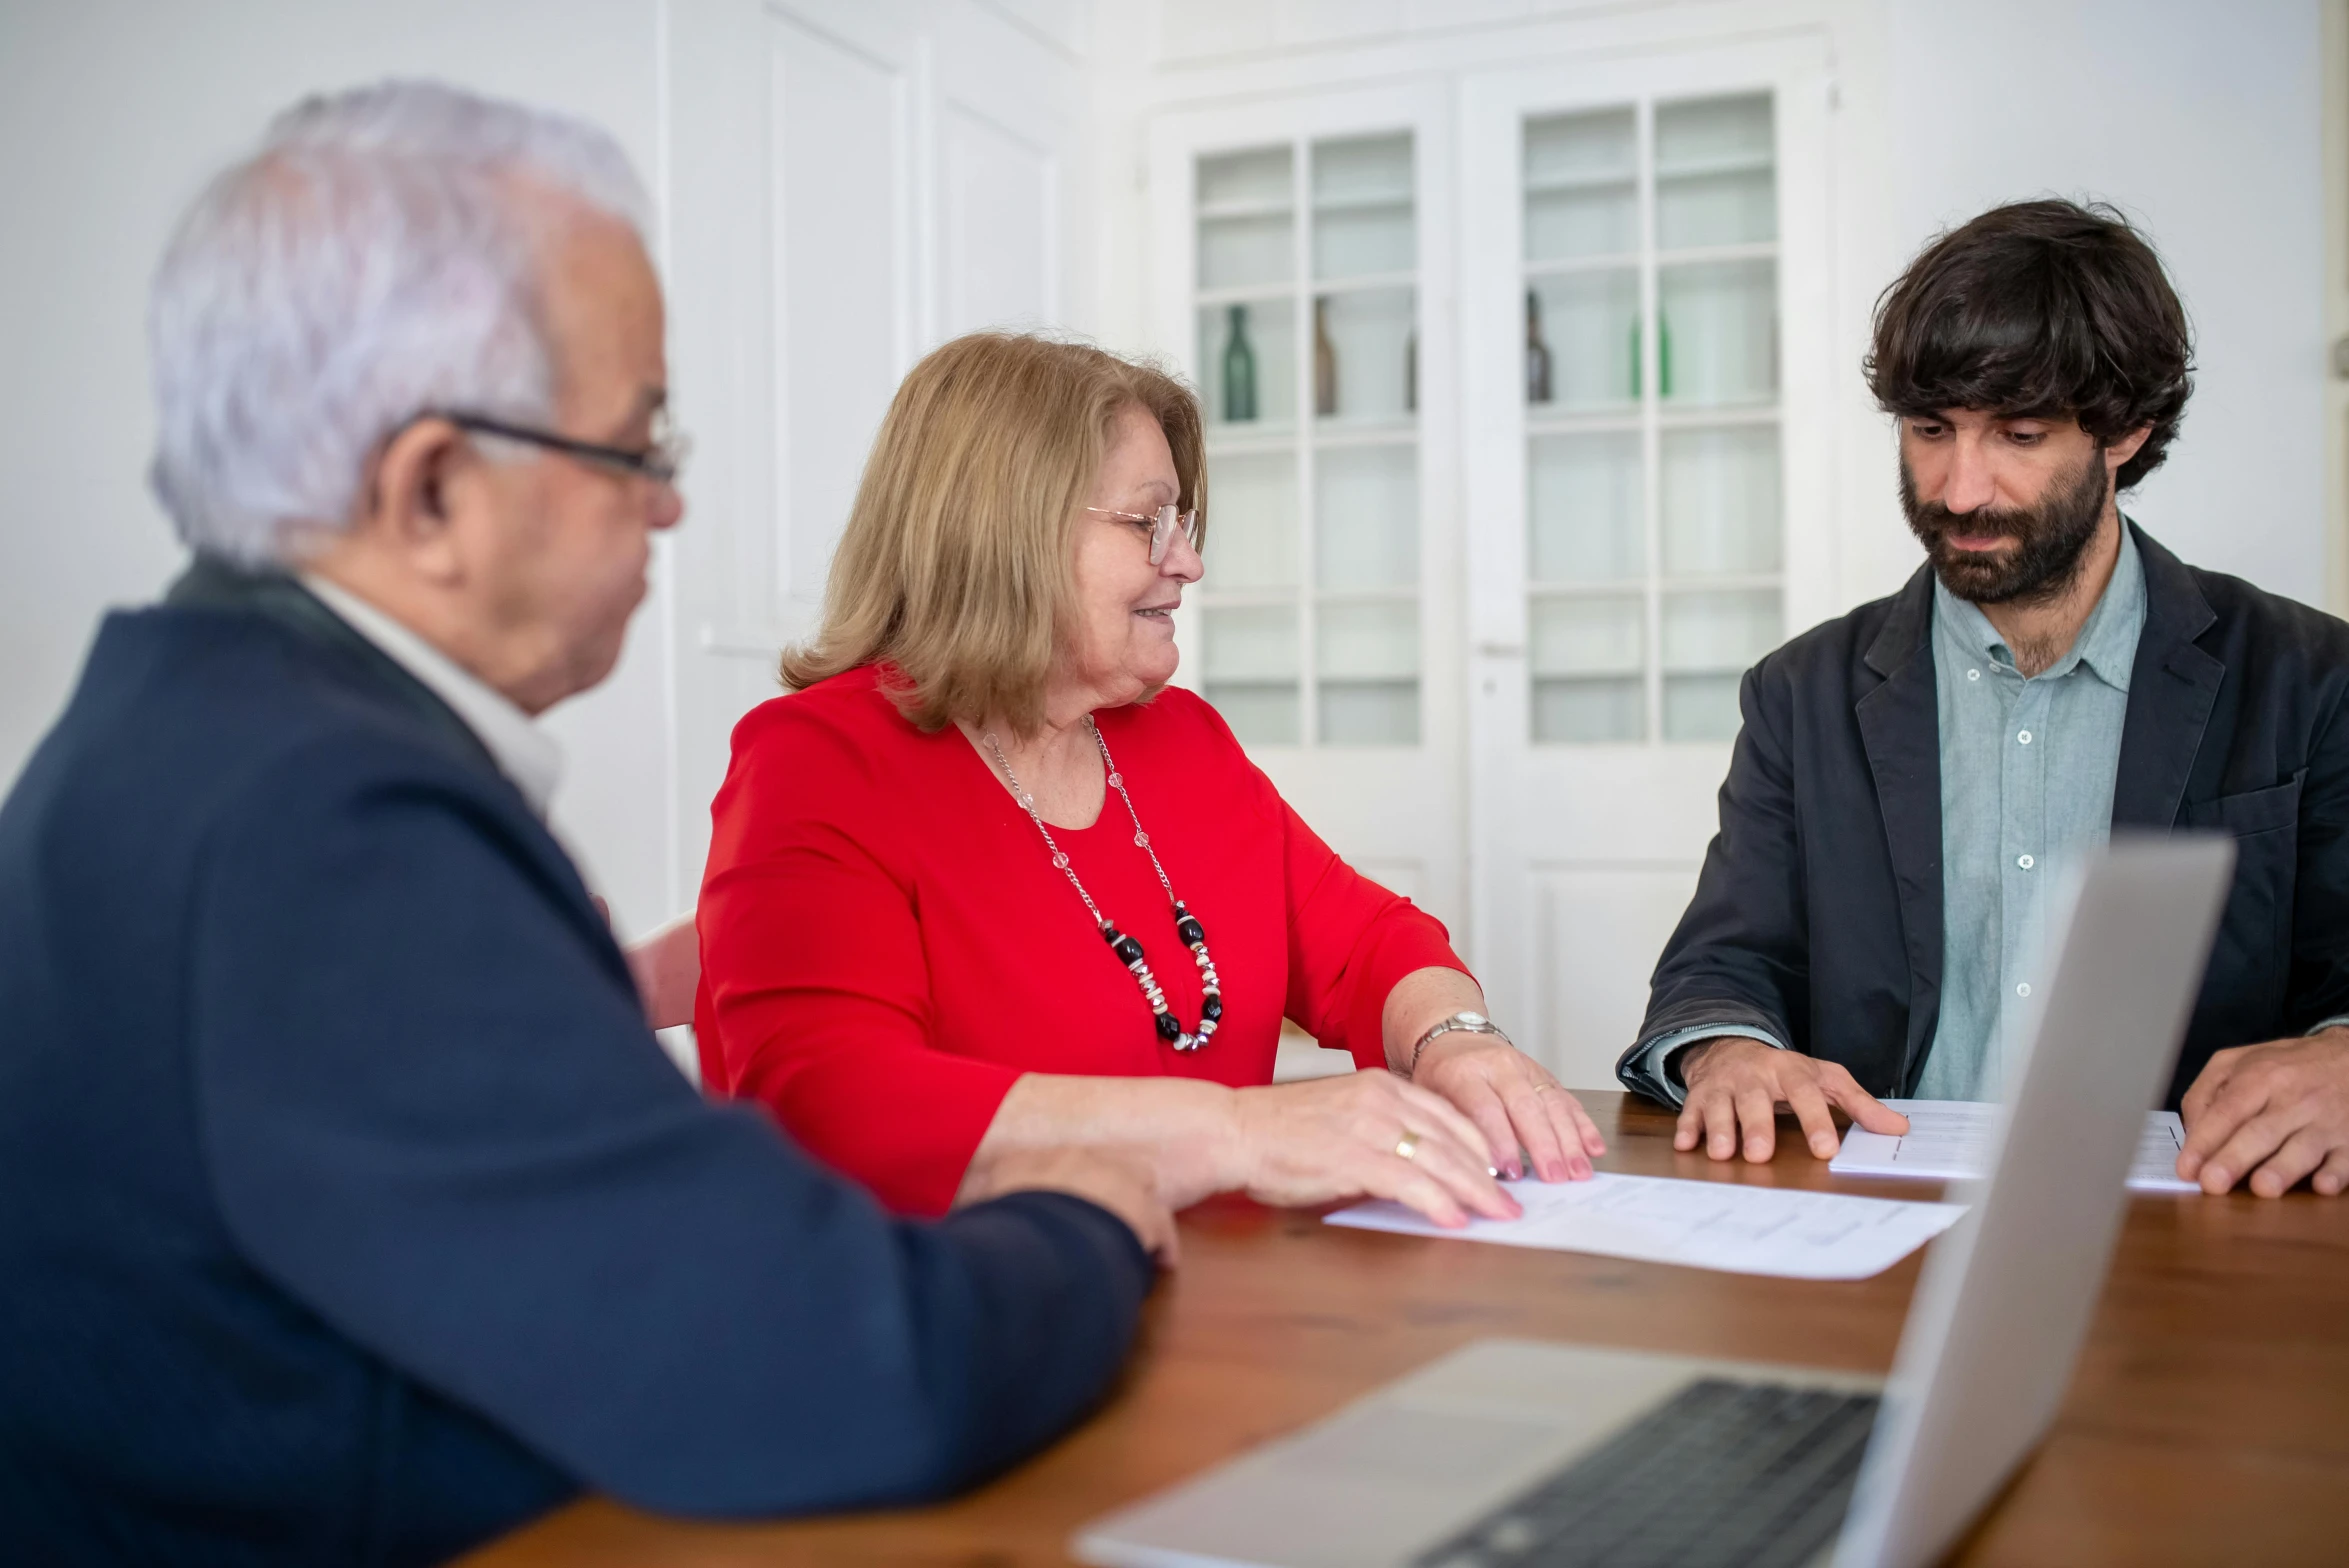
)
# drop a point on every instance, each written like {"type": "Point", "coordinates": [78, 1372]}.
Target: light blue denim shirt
{"type": "Point", "coordinates": [2027, 771]}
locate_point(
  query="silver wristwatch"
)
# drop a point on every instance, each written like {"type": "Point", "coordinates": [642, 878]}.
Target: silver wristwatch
{"type": "Point", "coordinates": [1461, 1023]}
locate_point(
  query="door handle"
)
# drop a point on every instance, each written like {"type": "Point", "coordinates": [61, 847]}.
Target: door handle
{"type": "Point", "coordinates": [1500, 650]}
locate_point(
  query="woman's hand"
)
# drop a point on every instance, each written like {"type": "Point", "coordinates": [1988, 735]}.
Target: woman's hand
{"type": "Point", "coordinates": [1511, 1098]}
{"type": "Point", "coordinates": [1514, 1103]}
{"type": "Point", "coordinates": [1364, 1133]}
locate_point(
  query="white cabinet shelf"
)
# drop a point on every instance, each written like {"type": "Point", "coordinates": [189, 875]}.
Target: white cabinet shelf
{"type": "Point", "coordinates": [1244, 208]}
{"type": "Point", "coordinates": [1567, 266]}
{"type": "Point", "coordinates": [1366, 430]}
{"type": "Point", "coordinates": [1650, 388]}
{"type": "Point", "coordinates": [1697, 255]}
{"type": "Point", "coordinates": [1389, 205]}
{"type": "Point", "coordinates": [1714, 168]}
{"type": "Point", "coordinates": [1257, 293]}
{"type": "Point", "coordinates": [1605, 180]}
{"type": "Point", "coordinates": [1309, 345]}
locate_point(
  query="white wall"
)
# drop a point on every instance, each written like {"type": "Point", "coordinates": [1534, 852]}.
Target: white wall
{"type": "Point", "coordinates": [112, 113]}
{"type": "Point", "coordinates": [2202, 121]}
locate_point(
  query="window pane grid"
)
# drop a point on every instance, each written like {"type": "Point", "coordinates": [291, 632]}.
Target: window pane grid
{"type": "Point", "coordinates": [1307, 256]}
{"type": "Point", "coordinates": [1653, 535]}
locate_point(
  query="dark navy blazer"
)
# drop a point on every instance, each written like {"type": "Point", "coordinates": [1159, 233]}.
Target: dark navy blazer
{"type": "Point", "coordinates": [1818, 914]}
{"type": "Point", "coordinates": [348, 1211]}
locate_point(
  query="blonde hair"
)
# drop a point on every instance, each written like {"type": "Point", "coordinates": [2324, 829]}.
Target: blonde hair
{"type": "Point", "coordinates": [955, 570]}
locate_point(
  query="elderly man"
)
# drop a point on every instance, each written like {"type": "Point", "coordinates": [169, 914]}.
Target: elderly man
{"type": "Point", "coordinates": [348, 1211]}
{"type": "Point", "coordinates": [1911, 776]}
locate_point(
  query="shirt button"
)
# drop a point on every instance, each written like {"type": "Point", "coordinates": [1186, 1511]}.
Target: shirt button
{"type": "Point", "coordinates": [2025, 861]}
{"type": "Point", "coordinates": [2025, 737]}
{"type": "Point", "coordinates": [1973, 675]}
{"type": "Point", "coordinates": [2024, 989]}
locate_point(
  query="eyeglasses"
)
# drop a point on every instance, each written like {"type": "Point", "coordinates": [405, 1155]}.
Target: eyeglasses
{"type": "Point", "coordinates": [1162, 525]}
{"type": "Point", "coordinates": [660, 460]}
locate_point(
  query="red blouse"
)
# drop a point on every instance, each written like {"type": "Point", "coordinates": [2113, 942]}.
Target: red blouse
{"type": "Point", "coordinates": [886, 945]}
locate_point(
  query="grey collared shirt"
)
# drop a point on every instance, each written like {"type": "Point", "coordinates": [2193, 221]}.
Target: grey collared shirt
{"type": "Point", "coordinates": [2027, 771]}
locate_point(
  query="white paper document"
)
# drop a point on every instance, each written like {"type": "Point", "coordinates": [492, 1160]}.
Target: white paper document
{"type": "Point", "coordinates": [1699, 1224]}
{"type": "Point", "coordinates": [1949, 1140]}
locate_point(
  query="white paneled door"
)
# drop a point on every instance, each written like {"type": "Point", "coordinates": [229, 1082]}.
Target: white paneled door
{"type": "Point", "coordinates": [847, 183]}
{"type": "Point", "coordinates": [1645, 400]}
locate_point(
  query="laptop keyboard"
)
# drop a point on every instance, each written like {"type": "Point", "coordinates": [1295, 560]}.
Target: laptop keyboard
{"type": "Point", "coordinates": [1726, 1473]}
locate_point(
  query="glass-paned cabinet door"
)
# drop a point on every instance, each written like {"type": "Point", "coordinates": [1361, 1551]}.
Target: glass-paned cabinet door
{"type": "Point", "coordinates": [1308, 320]}
{"type": "Point", "coordinates": [1651, 387]}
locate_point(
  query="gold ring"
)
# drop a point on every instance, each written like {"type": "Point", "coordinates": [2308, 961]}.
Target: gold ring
{"type": "Point", "coordinates": [1408, 1147]}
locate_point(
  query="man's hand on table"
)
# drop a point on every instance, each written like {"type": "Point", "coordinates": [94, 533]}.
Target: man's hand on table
{"type": "Point", "coordinates": [2273, 1113]}
{"type": "Point", "coordinates": [1736, 1084]}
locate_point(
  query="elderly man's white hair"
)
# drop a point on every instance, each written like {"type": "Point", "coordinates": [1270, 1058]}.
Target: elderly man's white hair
{"type": "Point", "coordinates": [378, 256]}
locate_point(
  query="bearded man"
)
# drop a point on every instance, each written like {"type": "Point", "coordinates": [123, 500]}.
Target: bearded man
{"type": "Point", "coordinates": [1912, 778]}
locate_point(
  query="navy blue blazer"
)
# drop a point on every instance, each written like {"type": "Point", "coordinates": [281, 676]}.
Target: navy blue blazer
{"type": "Point", "coordinates": [1818, 914]}
{"type": "Point", "coordinates": [349, 1212]}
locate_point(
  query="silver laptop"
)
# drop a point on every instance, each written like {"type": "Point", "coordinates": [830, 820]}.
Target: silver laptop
{"type": "Point", "coordinates": [1512, 1452]}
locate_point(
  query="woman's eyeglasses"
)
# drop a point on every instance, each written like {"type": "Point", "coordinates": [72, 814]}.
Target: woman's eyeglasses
{"type": "Point", "coordinates": [1162, 525]}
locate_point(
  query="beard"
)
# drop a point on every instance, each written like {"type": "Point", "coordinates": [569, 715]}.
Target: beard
{"type": "Point", "coordinates": [2051, 538]}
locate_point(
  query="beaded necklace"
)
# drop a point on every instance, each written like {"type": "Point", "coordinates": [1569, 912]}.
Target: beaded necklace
{"type": "Point", "coordinates": [1127, 948]}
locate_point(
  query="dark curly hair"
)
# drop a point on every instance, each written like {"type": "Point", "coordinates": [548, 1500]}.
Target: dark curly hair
{"type": "Point", "coordinates": [2039, 308]}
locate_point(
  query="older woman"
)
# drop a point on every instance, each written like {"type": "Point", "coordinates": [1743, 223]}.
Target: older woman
{"type": "Point", "coordinates": [983, 882]}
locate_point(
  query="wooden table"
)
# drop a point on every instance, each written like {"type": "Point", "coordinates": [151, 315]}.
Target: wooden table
{"type": "Point", "coordinates": [2208, 1421]}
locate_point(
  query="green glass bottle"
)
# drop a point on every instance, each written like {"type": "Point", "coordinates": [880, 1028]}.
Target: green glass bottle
{"type": "Point", "coordinates": [1663, 357]}
{"type": "Point", "coordinates": [1239, 370]}
{"type": "Point", "coordinates": [1325, 363]}
{"type": "Point", "coordinates": [1537, 352]}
